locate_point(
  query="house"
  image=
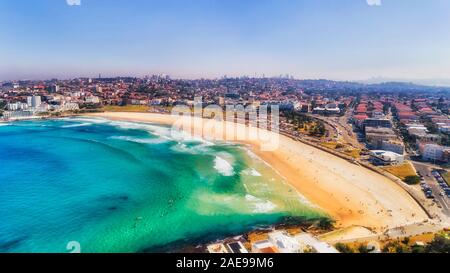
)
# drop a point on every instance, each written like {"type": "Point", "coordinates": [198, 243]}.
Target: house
{"type": "Point", "coordinates": [265, 247]}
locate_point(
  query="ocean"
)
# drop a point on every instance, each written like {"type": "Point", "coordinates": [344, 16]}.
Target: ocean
{"type": "Point", "coordinates": [110, 186]}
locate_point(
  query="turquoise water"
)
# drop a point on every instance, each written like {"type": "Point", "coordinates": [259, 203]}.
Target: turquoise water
{"type": "Point", "coordinates": [129, 187]}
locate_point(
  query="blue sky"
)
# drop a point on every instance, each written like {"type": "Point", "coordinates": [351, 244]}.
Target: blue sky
{"type": "Point", "coordinates": [335, 39]}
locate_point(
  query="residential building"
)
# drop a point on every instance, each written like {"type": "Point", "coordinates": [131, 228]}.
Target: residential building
{"type": "Point", "coordinates": [395, 146]}
{"type": "Point", "coordinates": [375, 136]}
{"type": "Point", "coordinates": [34, 101]}
{"type": "Point", "coordinates": [433, 152]}
{"type": "Point", "coordinates": [375, 122]}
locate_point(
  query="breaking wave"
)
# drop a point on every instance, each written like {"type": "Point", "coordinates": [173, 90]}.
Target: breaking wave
{"type": "Point", "coordinates": [223, 166]}
{"type": "Point", "coordinates": [260, 206]}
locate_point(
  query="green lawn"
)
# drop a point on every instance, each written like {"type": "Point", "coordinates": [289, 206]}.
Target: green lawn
{"type": "Point", "coordinates": [402, 171]}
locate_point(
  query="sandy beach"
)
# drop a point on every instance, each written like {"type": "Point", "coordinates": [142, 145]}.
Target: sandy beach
{"type": "Point", "coordinates": [351, 194]}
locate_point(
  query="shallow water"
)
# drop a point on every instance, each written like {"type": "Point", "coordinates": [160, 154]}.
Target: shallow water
{"type": "Point", "coordinates": [127, 187]}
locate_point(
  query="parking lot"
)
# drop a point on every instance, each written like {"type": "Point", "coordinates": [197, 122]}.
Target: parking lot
{"type": "Point", "coordinates": [434, 186]}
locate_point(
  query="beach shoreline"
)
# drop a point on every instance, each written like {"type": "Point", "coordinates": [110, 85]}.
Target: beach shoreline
{"type": "Point", "coordinates": [350, 194]}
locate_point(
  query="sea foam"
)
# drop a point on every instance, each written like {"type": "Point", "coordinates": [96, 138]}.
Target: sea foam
{"type": "Point", "coordinates": [77, 125]}
{"type": "Point", "coordinates": [223, 167]}
{"type": "Point", "coordinates": [260, 206]}
{"type": "Point", "coordinates": [252, 172]}
{"type": "Point", "coordinates": [140, 140]}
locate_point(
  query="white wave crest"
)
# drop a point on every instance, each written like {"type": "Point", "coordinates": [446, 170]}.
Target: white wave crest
{"type": "Point", "coordinates": [77, 125]}
{"type": "Point", "coordinates": [223, 167]}
{"type": "Point", "coordinates": [140, 140]}
{"type": "Point", "coordinates": [87, 120]}
{"type": "Point", "coordinates": [252, 172]}
{"type": "Point", "coordinates": [260, 206]}
{"type": "Point", "coordinates": [182, 147]}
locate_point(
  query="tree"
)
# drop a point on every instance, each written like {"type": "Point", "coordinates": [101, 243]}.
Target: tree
{"type": "Point", "coordinates": [343, 248]}
{"type": "Point", "coordinates": [406, 241]}
{"type": "Point", "coordinates": [326, 223]}
{"type": "Point", "coordinates": [362, 248]}
{"type": "Point", "coordinates": [440, 244]}
{"type": "Point", "coordinates": [412, 180]}
{"type": "Point", "coordinates": [418, 249]}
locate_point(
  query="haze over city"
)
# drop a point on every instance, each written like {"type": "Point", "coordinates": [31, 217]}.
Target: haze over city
{"type": "Point", "coordinates": [339, 40]}
{"type": "Point", "coordinates": [225, 127]}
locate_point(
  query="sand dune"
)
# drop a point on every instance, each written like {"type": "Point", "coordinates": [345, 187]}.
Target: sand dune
{"type": "Point", "coordinates": [351, 194]}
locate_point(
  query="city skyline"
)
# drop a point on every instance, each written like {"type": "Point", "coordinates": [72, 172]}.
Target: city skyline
{"type": "Point", "coordinates": [348, 40]}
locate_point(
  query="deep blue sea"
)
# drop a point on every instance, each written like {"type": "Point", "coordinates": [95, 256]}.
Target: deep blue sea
{"type": "Point", "coordinates": [128, 187]}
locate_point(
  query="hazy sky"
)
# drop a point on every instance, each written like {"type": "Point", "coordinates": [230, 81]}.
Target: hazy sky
{"type": "Point", "coordinates": [335, 39]}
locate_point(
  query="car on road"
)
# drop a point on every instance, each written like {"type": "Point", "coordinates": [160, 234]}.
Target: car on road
{"type": "Point", "coordinates": [429, 196]}
{"type": "Point", "coordinates": [428, 193]}
{"type": "Point", "coordinates": [447, 192]}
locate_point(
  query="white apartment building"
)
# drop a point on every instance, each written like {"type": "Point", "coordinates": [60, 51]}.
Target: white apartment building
{"type": "Point", "coordinates": [34, 101]}
{"type": "Point", "coordinates": [433, 152]}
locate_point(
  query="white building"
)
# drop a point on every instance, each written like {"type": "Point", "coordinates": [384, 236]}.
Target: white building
{"type": "Point", "coordinates": [68, 106]}
{"type": "Point", "coordinates": [17, 114]}
{"type": "Point", "coordinates": [285, 243]}
{"type": "Point", "coordinates": [17, 106]}
{"type": "Point", "coordinates": [34, 101]}
{"type": "Point", "coordinates": [386, 157]}
{"type": "Point", "coordinates": [332, 109]}
{"type": "Point", "coordinates": [432, 152]}
{"type": "Point", "coordinates": [282, 242]}
{"type": "Point", "coordinates": [314, 244]}
{"type": "Point", "coordinates": [92, 99]}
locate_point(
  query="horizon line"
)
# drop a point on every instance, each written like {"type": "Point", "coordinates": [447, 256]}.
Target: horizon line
{"type": "Point", "coordinates": [369, 81]}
